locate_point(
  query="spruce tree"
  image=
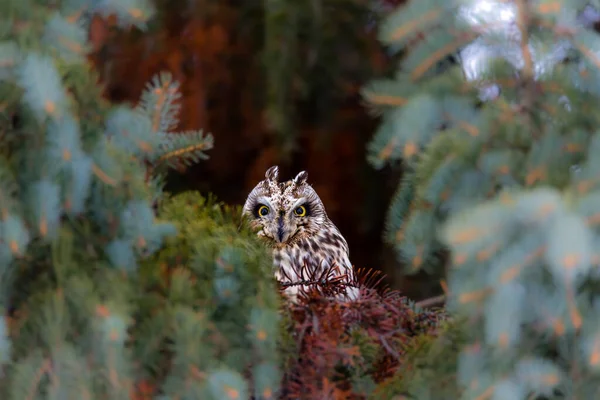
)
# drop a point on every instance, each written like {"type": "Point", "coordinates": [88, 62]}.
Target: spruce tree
{"type": "Point", "coordinates": [501, 169]}
{"type": "Point", "coordinates": [80, 180]}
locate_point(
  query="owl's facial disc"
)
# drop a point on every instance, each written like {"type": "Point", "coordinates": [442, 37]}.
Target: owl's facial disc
{"type": "Point", "coordinates": [281, 223]}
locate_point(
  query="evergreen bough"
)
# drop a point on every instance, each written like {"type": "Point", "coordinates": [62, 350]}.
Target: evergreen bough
{"type": "Point", "coordinates": [428, 368]}
{"type": "Point", "coordinates": [457, 147]}
{"type": "Point", "coordinates": [507, 183]}
{"type": "Point", "coordinates": [78, 182]}
{"type": "Point", "coordinates": [208, 321]}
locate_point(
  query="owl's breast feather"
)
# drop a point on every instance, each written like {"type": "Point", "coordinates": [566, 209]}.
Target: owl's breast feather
{"type": "Point", "coordinates": [313, 253]}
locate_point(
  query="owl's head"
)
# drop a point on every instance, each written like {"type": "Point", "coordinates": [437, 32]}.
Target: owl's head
{"type": "Point", "coordinates": [284, 212]}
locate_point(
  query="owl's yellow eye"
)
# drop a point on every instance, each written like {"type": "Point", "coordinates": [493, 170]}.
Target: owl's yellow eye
{"type": "Point", "coordinates": [300, 211]}
{"type": "Point", "coordinates": [263, 210]}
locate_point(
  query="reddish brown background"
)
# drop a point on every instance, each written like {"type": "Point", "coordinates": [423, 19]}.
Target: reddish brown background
{"type": "Point", "coordinates": [215, 61]}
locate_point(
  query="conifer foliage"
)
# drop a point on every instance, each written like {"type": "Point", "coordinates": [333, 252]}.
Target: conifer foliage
{"type": "Point", "coordinates": [458, 143]}
{"type": "Point", "coordinates": [507, 182]}
{"type": "Point", "coordinates": [343, 350]}
{"type": "Point", "coordinates": [77, 188]}
{"type": "Point", "coordinates": [208, 322]}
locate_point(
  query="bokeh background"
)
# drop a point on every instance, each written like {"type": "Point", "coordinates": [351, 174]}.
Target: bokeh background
{"type": "Point", "coordinates": [275, 82]}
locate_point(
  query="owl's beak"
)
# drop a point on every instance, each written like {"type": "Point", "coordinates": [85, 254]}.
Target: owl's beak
{"type": "Point", "coordinates": [282, 235]}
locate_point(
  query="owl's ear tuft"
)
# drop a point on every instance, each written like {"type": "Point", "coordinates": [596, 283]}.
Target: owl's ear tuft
{"type": "Point", "coordinates": [301, 178]}
{"type": "Point", "coordinates": [272, 173]}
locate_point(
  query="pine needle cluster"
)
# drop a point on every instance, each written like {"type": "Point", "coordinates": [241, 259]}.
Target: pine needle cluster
{"type": "Point", "coordinates": [502, 170]}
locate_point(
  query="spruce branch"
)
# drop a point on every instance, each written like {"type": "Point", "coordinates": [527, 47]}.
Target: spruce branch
{"type": "Point", "coordinates": [324, 279]}
{"type": "Point", "coordinates": [103, 176]}
{"type": "Point", "coordinates": [77, 215]}
{"type": "Point", "coordinates": [510, 201]}
{"type": "Point", "coordinates": [350, 342]}
{"type": "Point", "coordinates": [523, 24]}
{"type": "Point", "coordinates": [432, 301]}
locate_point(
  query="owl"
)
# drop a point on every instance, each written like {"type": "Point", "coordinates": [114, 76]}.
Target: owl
{"type": "Point", "coordinates": [291, 218]}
